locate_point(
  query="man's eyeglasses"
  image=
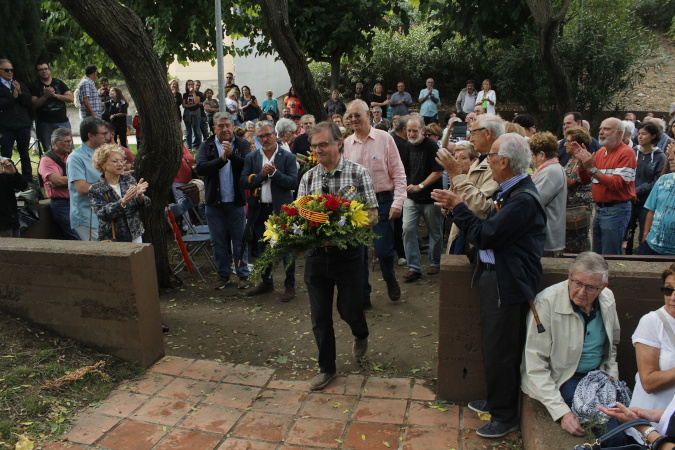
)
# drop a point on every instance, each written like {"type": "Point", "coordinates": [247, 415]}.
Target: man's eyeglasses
{"type": "Point", "coordinates": [265, 135]}
{"type": "Point", "coordinates": [8, 70]}
{"type": "Point", "coordinates": [477, 129]}
{"type": "Point", "coordinates": [590, 289]}
{"type": "Point", "coordinates": [667, 291]}
{"type": "Point", "coordinates": [321, 145]}
{"type": "Point", "coordinates": [355, 115]}
{"type": "Point", "coordinates": [45, 69]}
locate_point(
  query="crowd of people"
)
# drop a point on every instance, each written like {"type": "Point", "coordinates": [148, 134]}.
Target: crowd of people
{"type": "Point", "coordinates": [512, 195]}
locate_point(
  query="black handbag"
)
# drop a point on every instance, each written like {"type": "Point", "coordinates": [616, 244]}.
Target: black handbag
{"type": "Point", "coordinates": [597, 445]}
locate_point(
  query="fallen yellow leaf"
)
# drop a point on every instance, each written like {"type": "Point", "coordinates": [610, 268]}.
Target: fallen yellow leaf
{"type": "Point", "coordinates": [484, 416]}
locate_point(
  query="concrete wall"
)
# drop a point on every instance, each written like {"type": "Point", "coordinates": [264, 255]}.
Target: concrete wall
{"type": "Point", "coordinates": [101, 294]}
{"type": "Point", "coordinates": [460, 361]}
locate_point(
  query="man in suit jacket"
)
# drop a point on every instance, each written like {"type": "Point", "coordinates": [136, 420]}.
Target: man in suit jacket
{"type": "Point", "coordinates": [15, 121]}
{"type": "Point", "coordinates": [274, 173]}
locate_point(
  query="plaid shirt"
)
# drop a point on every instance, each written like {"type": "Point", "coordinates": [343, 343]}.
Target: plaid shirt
{"type": "Point", "coordinates": [87, 89]}
{"type": "Point", "coordinates": [349, 180]}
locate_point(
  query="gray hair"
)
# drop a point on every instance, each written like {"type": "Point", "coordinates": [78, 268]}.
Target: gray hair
{"type": "Point", "coordinates": [217, 117]}
{"type": "Point", "coordinates": [264, 124]}
{"type": "Point", "coordinates": [307, 116]}
{"type": "Point", "coordinates": [591, 263]}
{"type": "Point", "coordinates": [5, 60]}
{"type": "Point", "coordinates": [628, 126]}
{"type": "Point", "coordinates": [660, 122]}
{"type": "Point", "coordinates": [418, 118]}
{"type": "Point", "coordinates": [360, 103]}
{"type": "Point", "coordinates": [329, 125]}
{"type": "Point", "coordinates": [284, 125]}
{"type": "Point", "coordinates": [401, 123]}
{"type": "Point", "coordinates": [60, 133]}
{"type": "Point", "coordinates": [376, 108]}
{"type": "Point", "coordinates": [495, 124]}
{"type": "Point", "coordinates": [515, 147]}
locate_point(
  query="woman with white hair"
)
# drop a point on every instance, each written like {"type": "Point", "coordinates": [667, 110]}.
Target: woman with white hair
{"type": "Point", "coordinates": [286, 131]}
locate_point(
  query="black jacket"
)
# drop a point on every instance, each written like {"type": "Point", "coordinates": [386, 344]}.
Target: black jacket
{"type": "Point", "coordinates": [15, 112]}
{"type": "Point", "coordinates": [516, 233]}
{"type": "Point", "coordinates": [9, 214]}
{"type": "Point", "coordinates": [209, 165]}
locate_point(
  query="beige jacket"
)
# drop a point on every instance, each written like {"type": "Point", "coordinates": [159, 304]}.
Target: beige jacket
{"type": "Point", "coordinates": [475, 186]}
{"type": "Point", "coordinates": [552, 357]}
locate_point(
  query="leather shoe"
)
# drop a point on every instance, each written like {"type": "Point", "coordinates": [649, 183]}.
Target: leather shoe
{"type": "Point", "coordinates": [260, 289]}
{"type": "Point", "coordinates": [433, 270]}
{"type": "Point", "coordinates": [289, 294]}
{"type": "Point", "coordinates": [411, 276]}
{"type": "Point", "coordinates": [321, 381]}
{"type": "Point", "coordinates": [393, 290]}
{"type": "Point", "coordinates": [360, 347]}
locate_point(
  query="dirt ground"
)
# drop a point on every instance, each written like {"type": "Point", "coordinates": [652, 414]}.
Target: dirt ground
{"type": "Point", "coordinates": [227, 325]}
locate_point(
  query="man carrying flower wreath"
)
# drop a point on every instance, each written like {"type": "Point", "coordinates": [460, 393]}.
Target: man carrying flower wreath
{"type": "Point", "coordinates": [328, 266]}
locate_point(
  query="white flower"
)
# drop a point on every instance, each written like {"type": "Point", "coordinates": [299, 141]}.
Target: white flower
{"type": "Point", "coordinates": [342, 221]}
{"type": "Point", "coordinates": [273, 243]}
{"type": "Point", "coordinates": [297, 229]}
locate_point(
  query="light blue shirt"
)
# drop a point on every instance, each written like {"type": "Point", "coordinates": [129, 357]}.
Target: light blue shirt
{"type": "Point", "coordinates": [661, 200]}
{"type": "Point", "coordinates": [79, 167]}
{"type": "Point", "coordinates": [225, 175]}
{"type": "Point", "coordinates": [7, 83]}
{"type": "Point", "coordinates": [429, 108]}
{"type": "Point", "coordinates": [488, 256]}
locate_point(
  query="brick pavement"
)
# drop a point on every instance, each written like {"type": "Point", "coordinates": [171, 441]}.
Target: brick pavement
{"type": "Point", "coordinates": [196, 404]}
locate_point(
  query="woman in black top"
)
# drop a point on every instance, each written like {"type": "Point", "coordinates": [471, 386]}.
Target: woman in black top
{"type": "Point", "coordinates": [117, 109]}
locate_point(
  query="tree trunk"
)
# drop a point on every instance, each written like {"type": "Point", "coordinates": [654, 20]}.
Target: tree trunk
{"type": "Point", "coordinates": [121, 34]}
{"type": "Point", "coordinates": [550, 59]}
{"type": "Point", "coordinates": [548, 18]}
{"type": "Point", "coordinates": [335, 72]}
{"type": "Point", "coordinates": [275, 15]}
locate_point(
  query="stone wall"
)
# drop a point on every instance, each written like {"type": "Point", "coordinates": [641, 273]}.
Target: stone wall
{"type": "Point", "coordinates": [102, 294]}
{"type": "Point", "coordinates": [460, 365]}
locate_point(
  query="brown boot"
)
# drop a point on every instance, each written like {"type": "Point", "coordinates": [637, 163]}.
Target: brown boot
{"type": "Point", "coordinates": [288, 295]}
{"type": "Point", "coordinates": [260, 289]}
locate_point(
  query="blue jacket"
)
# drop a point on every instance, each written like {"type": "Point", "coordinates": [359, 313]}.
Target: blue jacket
{"type": "Point", "coordinates": [283, 182]}
{"type": "Point", "coordinates": [128, 224]}
{"type": "Point", "coordinates": [209, 165]}
{"type": "Point", "coordinates": [516, 233]}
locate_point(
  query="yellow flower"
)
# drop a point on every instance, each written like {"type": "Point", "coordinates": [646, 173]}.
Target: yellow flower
{"type": "Point", "coordinates": [359, 217]}
{"type": "Point", "coordinates": [270, 234]}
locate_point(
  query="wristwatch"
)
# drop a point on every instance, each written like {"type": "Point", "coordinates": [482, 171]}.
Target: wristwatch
{"type": "Point", "coordinates": [647, 432]}
{"type": "Point", "coordinates": [593, 171]}
{"type": "Point", "coordinates": [421, 186]}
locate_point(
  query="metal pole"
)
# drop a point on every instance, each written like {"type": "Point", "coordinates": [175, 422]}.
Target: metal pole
{"type": "Point", "coordinates": [219, 51]}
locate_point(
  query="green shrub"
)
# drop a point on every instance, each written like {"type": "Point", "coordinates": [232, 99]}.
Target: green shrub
{"type": "Point", "coordinates": [655, 14]}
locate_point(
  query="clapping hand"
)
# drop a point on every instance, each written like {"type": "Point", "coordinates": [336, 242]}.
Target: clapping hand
{"type": "Point", "coordinates": [448, 161]}
{"type": "Point", "coordinates": [141, 187]}
{"type": "Point", "coordinates": [447, 198]}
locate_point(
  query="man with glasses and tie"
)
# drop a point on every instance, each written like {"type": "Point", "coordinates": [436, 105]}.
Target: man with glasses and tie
{"type": "Point", "coordinates": [376, 151]}
{"type": "Point", "coordinates": [81, 175]}
{"type": "Point", "coordinates": [327, 267]}
{"type": "Point", "coordinates": [273, 172]}
{"type": "Point", "coordinates": [15, 121]}
{"type": "Point", "coordinates": [582, 332]}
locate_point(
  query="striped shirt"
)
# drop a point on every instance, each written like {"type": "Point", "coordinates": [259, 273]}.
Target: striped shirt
{"type": "Point", "coordinates": [349, 180]}
{"type": "Point", "coordinates": [618, 181]}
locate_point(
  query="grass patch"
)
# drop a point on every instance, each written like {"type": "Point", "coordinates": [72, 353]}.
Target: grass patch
{"type": "Point", "coordinates": [29, 358]}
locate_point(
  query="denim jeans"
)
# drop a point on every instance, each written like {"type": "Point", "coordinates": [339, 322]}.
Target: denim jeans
{"type": "Point", "coordinates": [44, 132]}
{"type": "Point", "coordinates": [384, 245]}
{"type": "Point", "coordinates": [193, 131]}
{"type": "Point", "coordinates": [226, 223]}
{"type": "Point", "coordinates": [8, 136]}
{"type": "Point", "coordinates": [609, 228]}
{"type": "Point", "coordinates": [259, 228]}
{"type": "Point", "coordinates": [60, 209]}
{"type": "Point", "coordinates": [412, 212]}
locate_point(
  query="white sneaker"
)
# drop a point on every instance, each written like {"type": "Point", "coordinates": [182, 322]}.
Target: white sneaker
{"type": "Point", "coordinates": [402, 262]}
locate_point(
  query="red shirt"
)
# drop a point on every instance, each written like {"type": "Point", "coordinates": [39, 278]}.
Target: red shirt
{"type": "Point", "coordinates": [617, 183]}
{"type": "Point", "coordinates": [46, 167]}
{"type": "Point", "coordinates": [184, 174]}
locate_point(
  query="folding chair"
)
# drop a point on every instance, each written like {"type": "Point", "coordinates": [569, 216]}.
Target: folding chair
{"type": "Point", "coordinates": [197, 240]}
{"type": "Point", "coordinates": [188, 205]}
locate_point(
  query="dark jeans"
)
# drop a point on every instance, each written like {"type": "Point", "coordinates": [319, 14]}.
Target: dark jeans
{"type": "Point", "coordinates": [457, 246]}
{"type": "Point", "coordinates": [567, 391]}
{"type": "Point", "coordinates": [398, 237]}
{"type": "Point", "coordinates": [384, 245]}
{"type": "Point", "coordinates": [44, 132]}
{"type": "Point", "coordinates": [226, 223]}
{"type": "Point", "coordinates": [121, 136]}
{"type": "Point", "coordinates": [503, 339]}
{"type": "Point", "coordinates": [60, 209]}
{"type": "Point", "coordinates": [325, 269]}
{"type": "Point", "coordinates": [8, 136]}
{"type": "Point", "coordinates": [259, 229]}
{"type": "Point", "coordinates": [645, 249]}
